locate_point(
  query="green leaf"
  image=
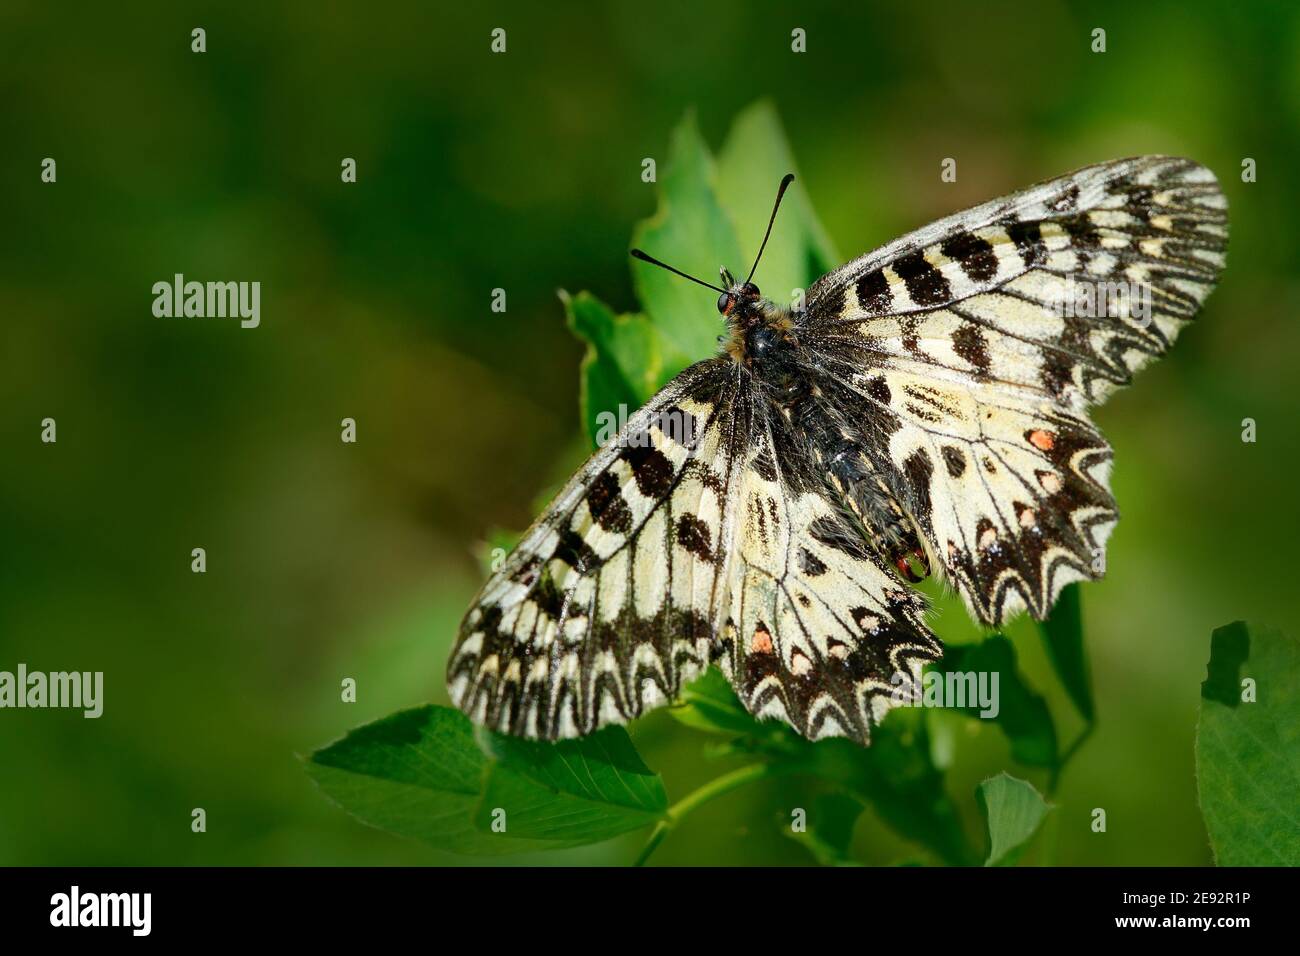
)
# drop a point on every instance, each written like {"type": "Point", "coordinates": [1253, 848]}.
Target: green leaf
{"type": "Point", "coordinates": [691, 232]}
{"type": "Point", "coordinates": [828, 828]}
{"type": "Point", "coordinates": [1021, 714]}
{"type": "Point", "coordinates": [428, 774]}
{"type": "Point", "coordinates": [630, 356]}
{"type": "Point", "coordinates": [622, 364]}
{"type": "Point", "coordinates": [1062, 632]}
{"type": "Point", "coordinates": [1248, 750]}
{"type": "Point", "coordinates": [753, 160]}
{"type": "Point", "coordinates": [416, 773]}
{"type": "Point", "coordinates": [708, 703]}
{"type": "Point", "coordinates": [896, 776]}
{"type": "Point", "coordinates": [1013, 811]}
{"type": "Point", "coordinates": [569, 793]}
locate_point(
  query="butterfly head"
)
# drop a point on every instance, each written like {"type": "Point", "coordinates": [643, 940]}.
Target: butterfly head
{"type": "Point", "coordinates": [756, 326]}
{"type": "Point", "coordinates": [740, 303]}
{"type": "Point", "coordinates": [738, 296]}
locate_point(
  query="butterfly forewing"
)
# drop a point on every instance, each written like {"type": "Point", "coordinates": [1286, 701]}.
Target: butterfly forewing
{"type": "Point", "coordinates": [603, 610]}
{"type": "Point", "coordinates": [1004, 291]}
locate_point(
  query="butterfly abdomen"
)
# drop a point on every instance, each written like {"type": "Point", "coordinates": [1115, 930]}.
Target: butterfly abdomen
{"type": "Point", "coordinates": [844, 454]}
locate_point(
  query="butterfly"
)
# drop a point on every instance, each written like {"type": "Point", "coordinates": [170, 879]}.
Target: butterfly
{"type": "Point", "coordinates": [924, 410]}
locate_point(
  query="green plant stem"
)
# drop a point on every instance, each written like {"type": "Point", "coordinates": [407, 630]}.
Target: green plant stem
{"type": "Point", "coordinates": [696, 798]}
{"type": "Point", "coordinates": [1055, 779]}
{"type": "Point", "coordinates": [1051, 827]}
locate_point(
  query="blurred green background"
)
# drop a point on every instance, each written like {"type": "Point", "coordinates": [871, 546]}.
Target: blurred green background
{"type": "Point", "coordinates": [522, 171]}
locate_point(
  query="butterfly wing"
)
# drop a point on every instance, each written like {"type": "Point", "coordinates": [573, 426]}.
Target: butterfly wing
{"type": "Point", "coordinates": [980, 341]}
{"type": "Point", "coordinates": [815, 629]}
{"type": "Point", "coordinates": [1009, 494]}
{"type": "Point", "coordinates": [604, 609]}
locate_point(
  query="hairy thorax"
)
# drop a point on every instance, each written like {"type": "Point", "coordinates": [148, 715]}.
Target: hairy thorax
{"type": "Point", "coordinates": [761, 338]}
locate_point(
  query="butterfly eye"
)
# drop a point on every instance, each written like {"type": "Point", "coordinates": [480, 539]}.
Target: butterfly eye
{"type": "Point", "coordinates": [751, 290]}
{"type": "Point", "coordinates": [724, 303]}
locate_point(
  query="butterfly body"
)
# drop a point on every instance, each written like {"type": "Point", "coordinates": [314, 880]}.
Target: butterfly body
{"type": "Point", "coordinates": [927, 411]}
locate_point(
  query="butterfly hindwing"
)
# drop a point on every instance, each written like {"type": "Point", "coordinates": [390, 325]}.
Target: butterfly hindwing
{"type": "Point", "coordinates": [817, 631]}
{"type": "Point", "coordinates": [1011, 495]}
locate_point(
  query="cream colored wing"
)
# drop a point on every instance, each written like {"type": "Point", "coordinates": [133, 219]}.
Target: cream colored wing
{"type": "Point", "coordinates": [815, 629]}
{"type": "Point", "coordinates": [975, 346]}
{"type": "Point", "coordinates": [605, 608]}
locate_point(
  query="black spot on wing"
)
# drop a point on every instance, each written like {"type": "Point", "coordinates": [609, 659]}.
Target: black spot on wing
{"type": "Point", "coordinates": [758, 518]}
{"type": "Point", "coordinates": [925, 414]}
{"type": "Point", "coordinates": [969, 342]}
{"type": "Point", "coordinates": [1138, 202]}
{"type": "Point", "coordinates": [973, 254]}
{"type": "Point", "coordinates": [679, 425]}
{"type": "Point", "coordinates": [1068, 199]}
{"type": "Point", "coordinates": [608, 509]}
{"type": "Point", "coordinates": [925, 284]}
{"type": "Point", "coordinates": [955, 460]}
{"type": "Point", "coordinates": [575, 552]}
{"type": "Point", "coordinates": [652, 470]}
{"type": "Point", "coordinates": [548, 597]}
{"type": "Point", "coordinates": [1029, 242]}
{"type": "Point", "coordinates": [1057, 372]}
{"type": "Point", "coordinates": [1082, 229]}
{"type": "Point", "coordinates": [873, 292]}
{"type": "Point", "coordinates": [693, 535]}
{"type": "Point", "coordinates": [878, 389]}
{"type": "Point", "coordinates": [918, 468]}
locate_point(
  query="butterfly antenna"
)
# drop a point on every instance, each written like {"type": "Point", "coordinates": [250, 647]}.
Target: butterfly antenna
{"type": "Point", "coordinates": [785, 183]}
{"type": "Point", "coordinates": [638, 254]}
